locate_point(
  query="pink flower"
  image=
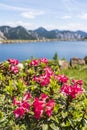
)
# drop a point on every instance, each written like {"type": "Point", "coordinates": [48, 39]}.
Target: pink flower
{"type": "Point", "coordinates": [22, 106]}
{"type": "Point", "coordinates": [34, 63]}
{"type": "Point", "coordinates": [38, 108]}
{"type": "Point", "coordinates": [15, 102]}
{"type": "Point", "coordinates": [14, 69]}
{"type": "Point", "coordinates": [48, 71]}
{"type": "Point", "coordinates": [25, 105]}
{"type": "Point", "coordinates": [43, 60]}
{"type": "Point", "coordinates": [26, 96]}
{"type": "Point", "coordinates": [49, 107]}
{"type": "Point", "coordinates": [62, 78]}
{"type": "Point", "coordinates": [41, 106]}
{"type": "Point", "coordinates": [43, 97]}
{"type": "Point", "coordinates": [71, 91]}
{"type": "Point", "coordinates": [43, 79]}
{"type": "Point", "coordinates": [79, 82]}
{"type": "Point", "coordinates": [19, 112]}
{"type": "Point", "coordinates": [37, 79]}
{"type": "Point", "coordinates": [13, 61]}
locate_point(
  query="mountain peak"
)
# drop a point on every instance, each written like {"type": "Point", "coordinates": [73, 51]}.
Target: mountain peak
{"type": "Point", "coordinates": [41, 29]}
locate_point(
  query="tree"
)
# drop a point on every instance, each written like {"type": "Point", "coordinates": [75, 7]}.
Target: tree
{"type": "Point", "coordinates": [55, 58]}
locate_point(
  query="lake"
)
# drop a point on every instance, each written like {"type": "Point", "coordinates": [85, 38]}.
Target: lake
{"type": "Point", "coordinates": [23, 51]}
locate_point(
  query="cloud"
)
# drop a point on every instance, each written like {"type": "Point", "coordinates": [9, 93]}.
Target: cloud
{"type": "Point", "coordinates": [66, 17]}
{"type": "Point", "coordinates": [26, 11]}
{"type": "Point", "coordinates": [10, 7]}
{"type": "Point", "coordinates": [32, 14]}
{"type": "Point", "coordinates": [83, 16]}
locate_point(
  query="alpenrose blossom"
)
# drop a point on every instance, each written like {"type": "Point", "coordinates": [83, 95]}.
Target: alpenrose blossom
{"type": "Point", "coordinates": [27, 96]}
{"type": "Point", "coordinates": [62, 78]}
{"type": "Point", "coordinates": [44, 97]}
{"type": "Point", "coordinates": [43, 105]}
{"type": "Point", "coordinates": [49, 107]}
{"type": "Point", "coordinates": [37, 62]}
{"type": "Point", "coordinates": [19, 112]}
{"type": "Point", "coordinates": [13, 61]}
{"type": "Point", "coordinates": [48, 71]}
{"type": "Point", "coordinates": [14, 69]}
{"type": "Point", "coordinates": [38, 108]}
{"type": "Point", "coordinates": [79, 82]}
{"type": "Point", "coordinates": [43, 80]}
{"type": "Point", "coordinates": [22, 106]}
{"type": "Point", "coordinates": [34, 62]}
{"type": "Point", "coordinates": [43, 60]}
{"type": "Point", "coordinates": [71, 90]}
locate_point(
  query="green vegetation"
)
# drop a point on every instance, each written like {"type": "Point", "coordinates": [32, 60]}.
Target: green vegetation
{"type": "Point", "coordinates": [56, 58]}
{"type": "Point", "coordinates": [36, 95]}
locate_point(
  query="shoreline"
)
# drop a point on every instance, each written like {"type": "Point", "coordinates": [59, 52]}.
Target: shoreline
{"type": "Point", "coordinates": [39, 40]}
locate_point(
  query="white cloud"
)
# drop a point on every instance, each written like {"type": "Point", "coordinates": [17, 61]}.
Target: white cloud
{"type": "Point", "coordinates": [66, 17]}
{"type": "Point", "coordinates": [27, 12]}
{"type": "Point", "coordinates": [83, 16]}
{"type": "Point", "coordinates": [10, 7]}
{"type": "Point", "coordinates": [32, 14]}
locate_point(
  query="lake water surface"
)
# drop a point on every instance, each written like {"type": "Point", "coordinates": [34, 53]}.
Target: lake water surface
{"type": "Point", "coordinates": [23, 51]}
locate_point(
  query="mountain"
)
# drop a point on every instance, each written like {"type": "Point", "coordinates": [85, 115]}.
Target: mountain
{"type": "Point", "coordinates": [41, 32]}
{"type": "Point", "coordinates": [61, 35]}
{"type": "Point", "coordinates": [84, 34]}
{"type": "Point", "coordinates": [21, 33]}
{"type": "Point", "coordinates": [16, 33]}
{"type": "Point", "coordinates": [2, 37]}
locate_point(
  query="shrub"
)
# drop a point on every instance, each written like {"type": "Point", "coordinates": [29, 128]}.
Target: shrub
{"type": "Point", "coordinates": [35, 96]}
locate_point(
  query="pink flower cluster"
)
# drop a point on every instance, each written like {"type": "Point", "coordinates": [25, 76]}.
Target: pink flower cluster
{"type": "Point", "coordinates": [73, 89]}
{"type": "Point", "coordinates": [13, 65]}
{"type": "Point", "coordinates": [14, 69]}
{"type": "Point", "coordinates": [36, 62]}
{"type": "Point", "coordinates": [43, 105]}
{"type": "Point", "coordinates": [79, 82]}
{"type": "Point", "coordinates": [44, 79]}
{"type": "Point", "coordinates": [22, 106]}
{"type": "Point", "coordinates": [43, 60]}
{"type": "Point", "coordinates": [62, 78]}
{"type": "Point", "coordinates": [13, 61]}
{"type": "Point", "coordinates": [40, 106]}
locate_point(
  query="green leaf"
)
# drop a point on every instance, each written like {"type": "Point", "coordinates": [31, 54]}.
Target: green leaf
{"type": "Point", "coordinates": [44, 127]}
{"type": "Point", "coordinates": [54, 127]}
{"type": "Point", "coordinates": [8, 90]}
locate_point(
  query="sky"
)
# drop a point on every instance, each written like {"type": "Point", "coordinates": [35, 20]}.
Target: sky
{"type": "Point", "coordinates": [50, 14]}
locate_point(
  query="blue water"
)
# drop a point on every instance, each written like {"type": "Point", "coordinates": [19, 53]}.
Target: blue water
{"type": "Point", "coordinates": [23, 51]}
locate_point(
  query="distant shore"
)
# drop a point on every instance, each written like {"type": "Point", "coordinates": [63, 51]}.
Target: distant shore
{"type": "Point", "coordinates": [39, 40]}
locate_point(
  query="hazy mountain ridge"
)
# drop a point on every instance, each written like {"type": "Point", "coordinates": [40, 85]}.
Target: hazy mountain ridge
{"type": "Point", "coordinates": [19, 32]}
